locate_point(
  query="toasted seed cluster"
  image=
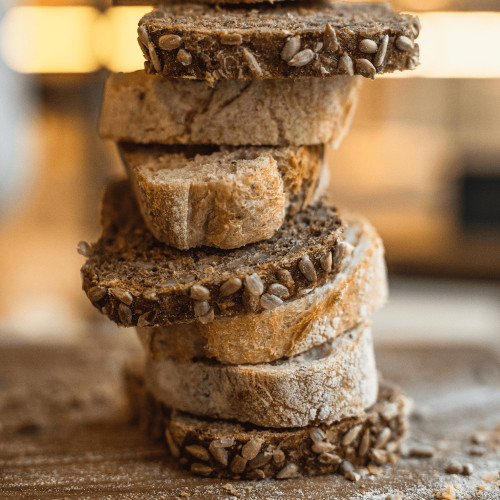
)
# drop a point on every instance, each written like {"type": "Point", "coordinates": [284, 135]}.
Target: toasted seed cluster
{"type": "Point", "coordinates": [139, 281]}
{"type": "Point", "coordinates": [225, 449]}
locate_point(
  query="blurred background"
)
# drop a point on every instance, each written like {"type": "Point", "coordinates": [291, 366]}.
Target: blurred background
{"type": "Point", "coordinates": [422, 162]}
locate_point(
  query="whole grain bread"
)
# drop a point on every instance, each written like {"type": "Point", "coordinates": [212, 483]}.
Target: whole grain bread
{"type": "Point", "coordinates": [358, 289]}
{"type": "Point", "coordinates": [290, 40]}
{"type": "Point", "coordinates": [138, 281]}
{"type": "Point", "coordinates": [225, 198]}
{"type": "Point", "coordinates": [143, 108]}
{"type": "Point", "coordinates": [335, 380]}
{"type": "Point", "coordinates": [222, 448]}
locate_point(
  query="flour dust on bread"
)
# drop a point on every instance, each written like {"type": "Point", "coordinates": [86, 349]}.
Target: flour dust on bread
{"type": "Point", "coordinates": [221, 197]}
{"type": "Point", "coordinates": [139, 281]}
{"type": "Point", "coordinates": [143, 108]}
{"type": "Point", "coordinates": [349, 298]}
{"type": "Point", "coordinates": [224, 448]}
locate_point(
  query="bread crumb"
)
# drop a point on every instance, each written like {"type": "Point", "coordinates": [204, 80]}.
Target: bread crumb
{"type": "Point", "coordinates": [447, 494]}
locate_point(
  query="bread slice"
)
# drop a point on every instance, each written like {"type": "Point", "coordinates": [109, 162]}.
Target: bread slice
{"type": "Point", "coordinates": [221, 448]}
{"type": "Point", "coordinates": [145, 108]}
{"type": "Point", "coordinates": [190, 197]}
{"type": "Point", "coordinates": [138, 281]}
{"type": "Point", "coordinates": [358, 289]}
{"type": "Point", "coordinates": [291, 40]}
{"type": "Point", "coordinates": [330, 382]}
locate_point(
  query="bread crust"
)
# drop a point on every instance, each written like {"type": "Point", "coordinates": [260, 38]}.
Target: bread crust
{"type": "Point", "coordinates": [190, 197]}
{"type": "Point", "coordinates": [374, 437]}
{"type": "Point", "coordinates": [326, 384]}
{"type": "Point", "coordinates": [290, 40]}
{"type": "Point", "coordinates": [297, 326]}
{"type": "Point", "coordinates": [146, 109]}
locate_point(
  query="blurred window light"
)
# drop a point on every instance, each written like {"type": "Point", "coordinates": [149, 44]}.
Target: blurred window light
{"type": "Point", "coordinates": [49, 39]}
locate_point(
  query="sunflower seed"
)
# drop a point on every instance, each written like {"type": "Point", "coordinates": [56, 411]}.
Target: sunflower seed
{"type": "Point", "coordinates": [279, 290]}
{"type": "Point", "coordinates": [83, 248]}
{"type": "Point", "coordinates": [146, 319]}
{"type": "Point", "coordinates": [261, 459]}
{"type": "Point", "coordinates": [169, 42]}
{"type": "Point", "coordinates": [231, 39]}
{"type": "Point", "coordinates": [207, 318]}
{"type": "Point", "coordinates": [301, 58]}
{"type": "Point", "coordinates": [150, 294]}
{"type": "Point", "coordinates": [453, 468]}
{"type": "Point", "coordinates": [154, 57]}
{"type": "Point", "coordinates": [238, 464]}
{"type": "Point", "coordinates": [184, 57]}
{"type": "Point", "coordinates": [286, 278]}
{"type": "Point", "coordinates": [291, 47]}
{"type": "Point", "coordinates": [270, 302]}
{"type": "Point", "coordinates": [290, 470]}
{"type": "Point", "coordinates": [317, 435]}
{"type": "Point", "coordinates": [326, 262]}
{"type": "Point", "coordinates": [231, 286]}
{"type": "Point", "coordinates": [256, 474]}
{"type": "Point", "coordinates": [307, 268]}
{"type": "Point", "coordinates": [422, 451]}
{"type": "Point", "coordinates": [343, 251]}
{"type": "Point", "coordinates": [201, 308]}
{"type": "Point", "coordinates": [122, 295]}
{"type": "Point", "coordinates": [346, 467]}
{"type": "Point", "coordinates": [379, 456]}
{"type": "Point", "coordinates": [252, 63]}
{"type": "Point", "coordinates": [254, 284]}
{"type": "Point", "coordinates": [467, 469]}
{"type": "Point", "coordinates": [381, 52]}
{"type": "Point", "coordinates": [345, 64]}
{"type": "Point", "coordinates": [318, 46]}
{"type": "Point", "coordinates": [365, 443]}
{"type": "Point", "coordinates": [201, 469]}
{"type": "Point", "coordinates": [329, 459]}
{"type": "Point", "coordinates": [330, 38]}
{"type": "Point", "coordinates": [143, 35]}
{"type": "Point", "coordinates": [366, 68]}
{"type": "Point", "coordinates": [172, 446]}
{"type": "Point", "coordinates": [278, 457]}
{"type": "Point", "coordinates": [252, 448]}
{"type": "Point", "coordinates": [404, 43]}
{"type": "Point", "coordinates": [96, 293]}
{"type": "Point", "coordinates": [368, 46]}
{"type": "Point", "coordinates": [383, 438]}
{"type": "Point", "coordinates": [198, 452]}
{"type": "Point", "coordinates": [219, 452]}
{"type": "Point", "coordinates": [323, 447]}
{"type": "Point", "coordinates": [199, 292]}
{"type": "Point", "coordinates": [351, 435]}
{"type": "Point", "coordinates": [125, 314]}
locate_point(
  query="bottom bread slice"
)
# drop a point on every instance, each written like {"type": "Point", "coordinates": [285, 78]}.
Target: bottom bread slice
{"type": "Point", "coordinates": [222, 448]}
{"type": "Point", "coordinates": [335, 380]}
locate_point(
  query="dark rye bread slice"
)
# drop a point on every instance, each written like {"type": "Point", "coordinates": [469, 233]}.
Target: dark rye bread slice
{"type": "Point", "coordinates": [138, 281]}
{"type": "Point", "coordinates": [223, 448]}
{"type": "Point", "coordinates": [194, 195]}
{"type": "Point", "coordinates": [292, 40]}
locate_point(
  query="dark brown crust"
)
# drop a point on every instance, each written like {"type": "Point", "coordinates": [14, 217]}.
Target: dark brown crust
{"type": "Point", "coordinates": [243, 43]}
{"type": "Point", "coordinates": [138, 281]}
{"type": "Point", "coordinates": [283, 453]}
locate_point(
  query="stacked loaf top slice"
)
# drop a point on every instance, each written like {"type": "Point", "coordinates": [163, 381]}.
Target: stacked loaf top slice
{"type": "Point", "coordinates": [292, 40]}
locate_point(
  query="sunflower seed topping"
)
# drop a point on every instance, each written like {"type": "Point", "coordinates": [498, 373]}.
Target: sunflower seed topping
{"type": "Point", "coordinates": [201, 308]}
{"type": "Point", "coordinates": [146, 319]}
{"type": "Point", "coordinates": [404, 43]}
{"type": "Point", "coordinates": [231, 286]}
{"type": "Point", "coordinates": [83, 248]}
{"type": "Point", "coordinates": [381, 52]}
{"type": "Point", "coordinates": [231, 39]}
{"type": "Point", "coordinates": [346, 65]}
{"type": "Point", "coordinates": [422, 451]}
{"type": "Point", "coordinates": [351, 435]}
{"type": "Point", "coordinates": [238, 464]}
{"type": "Point", "coordinates": [365, 443]}
{"type": "Point", "coordinates": [254, 284]}
{"type": "Point", "coordinates": [301, 58]}
{"type": "Point", "coordinates": [383, 438]}
{"type": "Point", "coordinates": [184, 57]}
{"type": "Point", "coordinates": [201, 469]}
{"type": "Point", "coordinates": [172, 446]}
{"type": "Point", "coordinates": [199, 292]}
{"type": "Point", "coordinates": [286, 278]}
{"type": "Point", "coordinates": [278, 457]}
{"type": "Point", "coordinates": [96, 293]}
{"type": "Point", "coordinates": [289, 471]}
{"type": "Point", "coordinates": [122, 295]}
{"type": "Point", "coordinates": [219, 452]}
{"type": "Point", "coordinates": [330, 41]}
{"type": "Point", "coordinates": [154, 57]}
{"type": "Point", "coordinates": [329, 459]}
{"type": "Point", "coordinates": [368, 46]}
{"type": "Point", "coordinates": [198, 451]}
{"type": "Point", "coordinates": [270, 302]}
{"type": "Point", "coordinates": [323, 447]}
{"type": "Point", "coordinates": [125, 314]}
{"type": "Point", "coordinates": [279, 290]}
{"type": "Point", "coordinates": [261, 459]}
{"type": "Point", "coordinates": [207, 318]}
{"type": "Point", "coordinates": [453, 468]}
{"type": "Point", "coordinates": [291, 47]}
{"type": "Point", "coordinates": [326, 262]}
{"type": "Point", "coordinates": [150, 294]}
{"type": "Point", "coordinates": [317, 435]}
{"type": "Point", "coordinates": [252, 63]}
{"type": "Point", "coordinates": [169, 42]}
{"type": "Point", "coordinates": [251, 449]}
{"type": "Point", "coordinates": [343, 251]}
{"type": "Point", "coordinates": [366, 68]}
{"type": "Point", "coordinates": [307, 268]}
{"type": "Point", "coordinates": [143, 35]}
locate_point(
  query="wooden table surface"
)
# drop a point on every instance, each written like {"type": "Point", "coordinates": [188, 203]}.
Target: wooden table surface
{"type": "Point", "coordinates": [64, 431]}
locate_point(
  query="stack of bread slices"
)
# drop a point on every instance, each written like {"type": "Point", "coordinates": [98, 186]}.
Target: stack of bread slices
{"type": "Point", "coordinates": [251, 296]}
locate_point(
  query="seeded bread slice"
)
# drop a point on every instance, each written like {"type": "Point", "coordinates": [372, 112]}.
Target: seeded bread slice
{"type": "Point", "coordinates": [329, 382]}
{"type": "Point", "coordinates": [221, 448]}
{"type": "Point", "coordinates": [143, 108]}
{"type": "Point", "coordinates": [138, 281]}
{"type": "Point", "coordinates": [359, 288]}
{"type": "Point", "coordinates": [290, 40]}
{"type": "Point", "coordinates": [225, 199]}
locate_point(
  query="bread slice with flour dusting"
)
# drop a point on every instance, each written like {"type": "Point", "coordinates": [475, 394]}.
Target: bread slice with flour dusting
{"type": "Point", "coordinates": [143, 108]}
{"type": "Point", "coordinates": [194, 196]}
{"type": "Point", "coordinates": [284, 40]}
{"type": "Point", "coordinates": [222, 448]}
{"type": "Point", "coordinates": [357, 290]}
{"type": "Point", "coordinates": [335, 380]}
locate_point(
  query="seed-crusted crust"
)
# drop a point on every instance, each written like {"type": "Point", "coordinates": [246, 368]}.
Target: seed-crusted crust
{"type": "Point", "coordinates": [192, 196]}
{"type": "Point", "coordinates": [143, 108]}
{"type": "Point", "coordinates": [217, 448]}
{"type": "Point", "coordinates": [332, 381]}
{"type": "Point", "coordinates": [324, 38]}
{"type": "Point", "coordinates": [323, 314]}
{"type": "Point", "coordinates": [138, 281]}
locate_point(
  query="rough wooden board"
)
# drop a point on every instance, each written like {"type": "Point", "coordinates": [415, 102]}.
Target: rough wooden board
{"type": "Point", "coordinates": [63, 431]}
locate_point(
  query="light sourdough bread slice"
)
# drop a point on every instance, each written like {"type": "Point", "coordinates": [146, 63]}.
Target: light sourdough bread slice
{"type": "Point", "coordinates": [145, 108]}
{"type": "Point", "coordinates": [221, 448]}
{"type": "Point", "coordinates": [353, 294]}
{"type": "Point", "coordinates": [290, 40]}
{"type": "Point", "coordinates": [138, 281]}
{"type": "Point", "coordinates": [335, 380]}
{"type": "Point", "coordinates": [225, 198]}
